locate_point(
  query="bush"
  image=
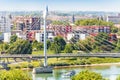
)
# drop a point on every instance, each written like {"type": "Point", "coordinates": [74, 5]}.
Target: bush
{"type": "Point", "coordinates": [30, 66]}
{"type": "Point", "coordinates": [14, 75]}
{"type": "Point", "coordinates": [87, 75]}
{"type": "Point", "coordinates": [59, 64]}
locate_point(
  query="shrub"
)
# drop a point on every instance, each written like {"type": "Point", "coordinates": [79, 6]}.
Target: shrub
{"type": "Point", "coordinates": [14, 75]}
{"type": "Point", "coordinates": [59, 64]}
{"type": "Point", "coordinates": [87, 75]}
{"type": "Point", "coordinates": [30, 66]}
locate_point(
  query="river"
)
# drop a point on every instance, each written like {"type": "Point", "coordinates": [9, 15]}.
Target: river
{"type": "Point", "coordinates": [110, 72]}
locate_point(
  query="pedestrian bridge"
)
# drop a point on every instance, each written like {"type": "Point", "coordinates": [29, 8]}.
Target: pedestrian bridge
{"type": "Point", "coordinates": [100, 55]}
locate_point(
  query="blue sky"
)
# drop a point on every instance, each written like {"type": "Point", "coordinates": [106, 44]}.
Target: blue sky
{"type": "Point", "coordinates": [62, 5]}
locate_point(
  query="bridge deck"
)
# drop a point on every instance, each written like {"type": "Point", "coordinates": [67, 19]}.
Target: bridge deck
{"type": "Point", "coordinates": [113, 55]}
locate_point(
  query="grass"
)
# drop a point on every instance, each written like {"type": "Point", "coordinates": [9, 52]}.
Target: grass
{"type": "Point", "coordinates": [63, 62]}
{"type": "Point", "coordinates": [42, 52]}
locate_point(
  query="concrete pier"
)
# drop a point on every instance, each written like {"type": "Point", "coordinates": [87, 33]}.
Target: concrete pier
{"type": "Point", "coordinates": [46, 69]}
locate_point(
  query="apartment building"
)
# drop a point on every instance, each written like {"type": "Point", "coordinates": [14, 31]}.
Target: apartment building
{"type": "Point", "coordinates": [60, 30]}
{"type": "Point", "coordinates": [114, 19]}
{"type": "Point", "coordinates": [26, 23]}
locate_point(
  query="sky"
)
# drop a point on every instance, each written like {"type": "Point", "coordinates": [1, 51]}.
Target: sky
{"type": "Point", "coordinates": [60, 5]}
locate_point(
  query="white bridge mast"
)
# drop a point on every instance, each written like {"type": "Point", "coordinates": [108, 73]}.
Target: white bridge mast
{"type": "Point", "coordinates": [45, 45]}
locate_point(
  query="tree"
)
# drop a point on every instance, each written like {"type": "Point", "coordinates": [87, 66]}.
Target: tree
{"type": "Point", "coordinates": [13, 38]}
{"type": "Point", "coordinates": [92, 22]}
{"type": "Point", "coordinates": [55, 48]}
{"type": "Point", "coordinates": [87, 75]}
{"type": "Point", "coordinates": [102, 40]}
{"type": "Point", "coordinates": [48, 44]}
{"type": "Point", "coordinates": [58, 44]}
{"type": "Point", "coordinates": [59, 41]}
{"type": "Point", "coordinates": [60, 23]}
{"type": "Point", "coordinates": [4, 47]}
{"type": "Point", "coordinates": [68, 48]}
{"type": "Point", "coordinates": [85, 45]}
{"type": "Point", "coordinates": [20, 47]}
{"type": "Point", "coordinates": [37, 45]}
{"type": "Point", "coordinates": [14, 75]}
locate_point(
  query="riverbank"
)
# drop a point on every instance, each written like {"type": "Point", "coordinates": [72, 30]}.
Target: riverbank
{"type": "Point", "coordinates": [90, 65]}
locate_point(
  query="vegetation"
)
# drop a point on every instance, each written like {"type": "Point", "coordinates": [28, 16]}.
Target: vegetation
{"type": "Point", "coordinates": [36, 46]}
{"type": "Point", "coordinates": [14, 75]}
{"type": "Point", "coordinates": [68, 48]}
{"type": "Point", "coordinates": [99, 43]}
{"type": "Point", "coordinates": [58, 45]}
{"type": "Point", "coordinates": [87, 75]}
{"type": "Point", "coordinates": [13, 38]}
{"type": "Point", "coordinates": [4, 47]}
{"type": "Point", "coordinates": [92, 22]}
{"type": "Point", "coordinates": [60, 23]}
{"type": "Point", "coordinates": [118, 78]}
{"type": "Point", "coordinates": [20, 47]}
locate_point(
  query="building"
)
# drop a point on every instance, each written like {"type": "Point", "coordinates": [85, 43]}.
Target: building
{"type": "Point", "coordinates": [7, 37]}
{"type": "Point", "coordinates": [26, 23]}
{"type": "Point", "coordinates": [91, 30]}
{"type": "Point", "coordinates": [60, 30]}
{"type": "Point", "coordinates": [5, 23]}
{"type": "Point", "coordinates": [5, 27]}
{"type": "Point", "coordinates": [39, 36]}
{"type": "Point", "coordinates": [76, 35]}
{"type": "Point", "coordinates": [114, 19]}
{"type": "Point", "coordinates": [81, 32]}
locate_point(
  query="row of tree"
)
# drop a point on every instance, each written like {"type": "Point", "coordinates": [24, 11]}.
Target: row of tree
{"type": "Point", "coordinates": [99, 43]}
{"type": "Point", "coordinates": [16, 46]}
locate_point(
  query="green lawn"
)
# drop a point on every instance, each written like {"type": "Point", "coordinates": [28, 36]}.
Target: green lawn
{"type": "Point", "coordinates": [41, 52]}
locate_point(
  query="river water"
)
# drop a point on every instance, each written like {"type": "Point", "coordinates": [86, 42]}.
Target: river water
{"type": "Point", "coordinates": [110, 72]}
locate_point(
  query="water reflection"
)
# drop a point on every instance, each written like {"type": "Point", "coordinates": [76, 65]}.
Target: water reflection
{"type": "Point", "coordinates": [42, 76]}
{"type": "Point", "coordinates": [109, 72]}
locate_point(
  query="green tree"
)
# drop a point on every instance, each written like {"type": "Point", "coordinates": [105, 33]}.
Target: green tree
{"type": "Point", "coordinates": [55, 48]}
{"type": "Point", "coordinates": [87, 75]}
{"type": "Point", "coordinates": [60, 23]}
{"type": "Point", "coordinates": [68, 48]}
{"type": "Point", "coordinates": [37, 45]}
{"type": "Point", "coordinates": [48, 44]}
{"type": "Point", "coordinates": [20, 47]}
{"type": "Point", "coordinates": [85, 45]}
{"type": "Point", "coordinates": [102, 41]}
{"type": "Point", "coordinates": [92, 22]}
{"type": "Point", "coordinates": [13, 38]}
{"type": "Point", "coordinates": [59, 41]}
{"type": "Point", "coordinates": [117, 49]}
{"type": "Point", "coordinates": [4, 47]}
{"type": "Point", "coordinates": [58, 44]}
{"type": "Point", "coordinates": [14, 75]}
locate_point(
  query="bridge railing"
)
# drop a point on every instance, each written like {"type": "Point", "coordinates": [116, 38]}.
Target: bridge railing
{"type": "Point", "coordinates": [60, 55]}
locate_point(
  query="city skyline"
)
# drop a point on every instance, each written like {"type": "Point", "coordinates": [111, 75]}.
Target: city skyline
{"type": "Point", "coordinates": [60, 5]}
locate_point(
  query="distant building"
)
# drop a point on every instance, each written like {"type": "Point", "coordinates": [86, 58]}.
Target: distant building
{"type": "Point", "coordinates": [39, 36]}
{"type": "Point", "coordinates": [73, 19]}
{"type": "Point", "coordinates": [27, 23]}
{"type": "Point", "coordinates": [5, 23]}
{"type": "Point", "coordinates": [60, 30]}
{"type": "Point", "coordinates": [76, 35]}
{"type": "Point", "coordinates": [114, 19]}
{"type": "Point", "coordinates": [91, 30]}
{"type": "Point", "coordinates": [7, 37]}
